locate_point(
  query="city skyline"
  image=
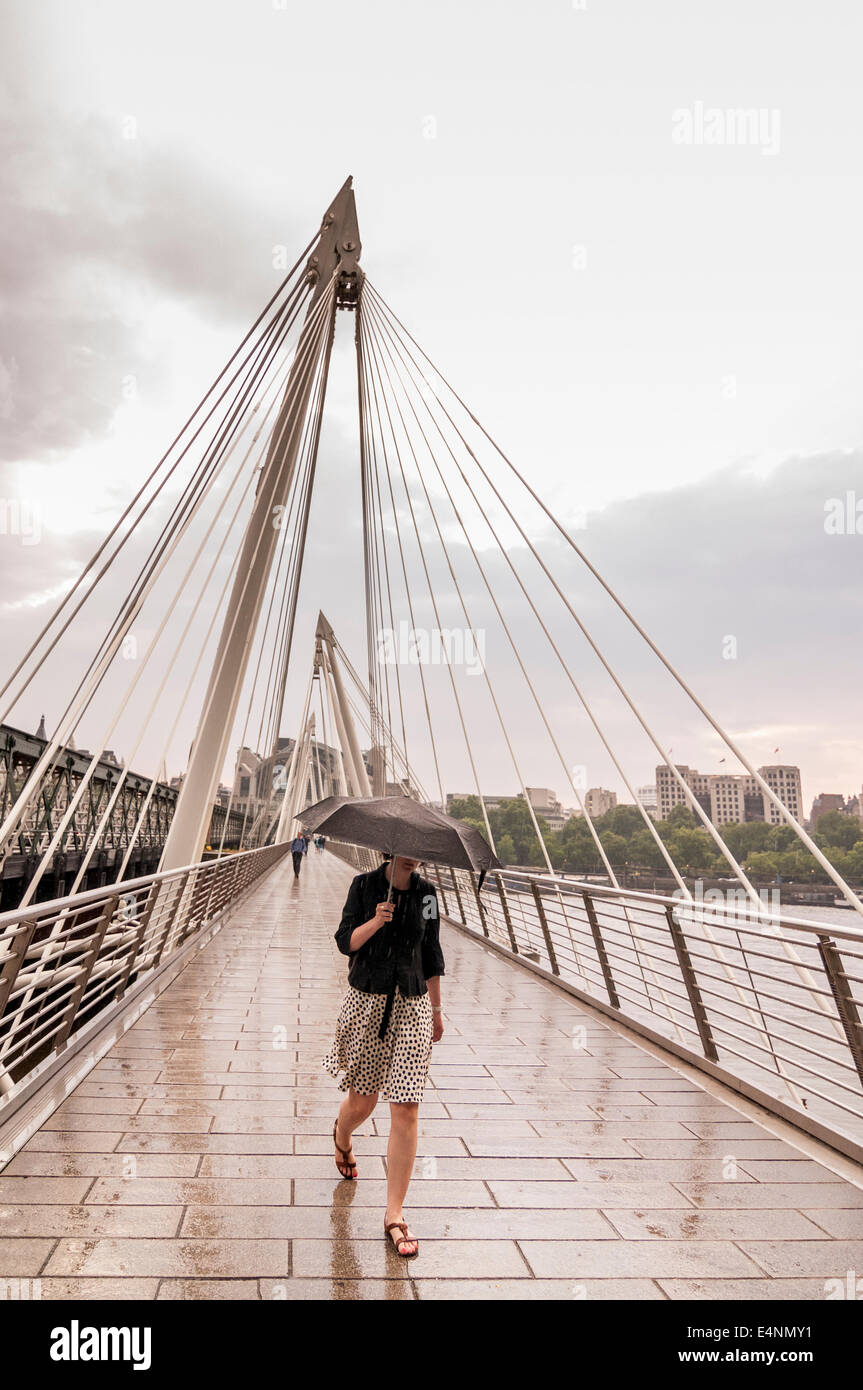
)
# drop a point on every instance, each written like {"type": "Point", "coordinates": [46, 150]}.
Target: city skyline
{"type": "Point", "coordinates": [831, 798]}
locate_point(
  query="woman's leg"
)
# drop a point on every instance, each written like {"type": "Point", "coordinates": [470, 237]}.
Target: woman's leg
{"type": "Point", "coordinates": [401, 1152]}
{"type": "Point", "coordinates": [354, 1109]}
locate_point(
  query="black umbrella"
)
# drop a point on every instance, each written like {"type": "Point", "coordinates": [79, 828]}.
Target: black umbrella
{"type": "Point", "coordinates": [398, 825]}
{"type": "Point", "coordinates": [321, 809]}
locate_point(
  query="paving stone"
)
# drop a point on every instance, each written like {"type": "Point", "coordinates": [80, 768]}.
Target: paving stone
{"type": "Point", "coordinates": [558, 1290]}
{"type": "Point", "coordinates": [604, 1195]}
{"type": "Point", "coordinates": [90, 1165]}
{"type": "Point", "coordinates": [802, 1170]}
{"type": "Point", "coordinates": [130, 1089]}
{"type": "Point", "coordinates": [659, 1128]}
{"type": "Point", "coordinates": [308, 1192]}
{"type": "Point", "coordinates": [96, 1105]}
{"type": "Point", "coordinates": [21, 1258]}
{"type": "Point", "coordinates": [66, 1141]}
{"type": "Point", "coordinates": [15, 1190]}
{"type": "Point", "coordinates": [828, 1259]}
{"type": "Point", "coordinates": [132, 1124]}
{"type": "Point", "coordinates": [210, 1290]}
{"type": "Point", "coordinates": [588, 1147]}
{"type": "Point", "coordinates": [651, 1259]}
{"type": "Point", "coordinates": [673, 1170]}
{"type": "Point", "coordinates": [725, 1290]}
{"type": "Point", "coordinates": [200, 1191]}
{"type": "Point", "coordinates": [87, 1290]}
{"type": "Point", "coordinates": [67, 1220]}
{"type": "Point", "coordinates": [206, 1143]}
{"type": "Point", "coordinates": [707, 1148]}
{"type": "Point", "coordinates": [839, 1222]}
{"type": "Point", "coordinates": [717, 1224]}
{"type": "Point", "coordinates": [283, 1167]}
{"type": "Point", "coordinates": [490, 1169]}
{"type": "Point", "coordinates": [726, 1129]}
{"type": "Point", "coordinates": [473, 1259]}
{"type": "Point", "coordinates": [338, 1290]}
{"type": "Point", "coordinates": [773, 1194]}
{"type": "Point", "coordinates": [166, 1258]}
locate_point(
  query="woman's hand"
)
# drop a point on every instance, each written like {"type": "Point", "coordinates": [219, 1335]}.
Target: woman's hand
{"type": "Point", "coordinates": [360, 935]}
{"type": "Point", "coordinates": [437, 1027]}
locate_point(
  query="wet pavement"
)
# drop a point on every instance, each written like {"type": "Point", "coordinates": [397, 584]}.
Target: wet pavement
{"type": "Point", "coordinates": [557, 1158]}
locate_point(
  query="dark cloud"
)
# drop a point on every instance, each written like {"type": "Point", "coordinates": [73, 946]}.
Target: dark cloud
{"type": "Point", "coordinates": [734, 556]}
{"type": "Point", "coordinates": [96, 225]}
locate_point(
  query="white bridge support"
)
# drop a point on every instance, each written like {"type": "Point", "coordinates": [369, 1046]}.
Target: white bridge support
{"type": "Point", "coordinates": [336, 254]}
{"type": "Point", "coordinates": [354, 764]}
{"type": "Point", "coordinates": [304, 765]}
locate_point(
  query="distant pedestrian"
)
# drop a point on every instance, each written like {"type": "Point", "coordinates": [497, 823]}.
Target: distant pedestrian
{"type": "Point", "coordinates": [298, 849]}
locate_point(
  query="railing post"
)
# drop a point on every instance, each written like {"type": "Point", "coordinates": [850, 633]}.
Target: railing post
{"type": "Point", "coordinates": [601, 952]}
{"type": "Point", "coordinates": [135, 948]}
{"type": "Point", "coordinates": [86, 971]}
{"type": "Point", "coordinates": [200, 902]}
{"type": "Point", "coordinates": [508, 919]}
{"type": "Point", "coordinates": [458, 897]}
{"type": "Point", "coordinates": [846, 1004]}
{"type": "Point", "coordinates": [182, 889]}
{"type": "Point", "coordinates": [439, 886]}
{"type": "Point", "coordinates": [699, 1013]}
{"type": "Point", "coordinates": [479, 907]}
{"type": "Point", "coordinates": [17, 952]}
{"type": "Point", "coordinates": [552, 958]}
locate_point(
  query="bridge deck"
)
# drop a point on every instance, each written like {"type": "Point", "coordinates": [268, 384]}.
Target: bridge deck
{"type": "Point", "coordinates": [195, 1160]}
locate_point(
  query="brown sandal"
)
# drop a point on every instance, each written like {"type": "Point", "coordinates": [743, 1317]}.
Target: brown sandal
{"type": "Point", "coordinates": [403, 1239]}
{"type": "Point", "coordinates": [345, 1163]}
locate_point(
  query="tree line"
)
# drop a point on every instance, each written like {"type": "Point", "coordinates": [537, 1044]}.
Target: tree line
{"type": "Point", "coordinates": [767, 852]}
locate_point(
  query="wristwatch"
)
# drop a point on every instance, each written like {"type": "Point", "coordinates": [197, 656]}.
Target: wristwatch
{"type": "Point", "coordinates": [437, 1008]}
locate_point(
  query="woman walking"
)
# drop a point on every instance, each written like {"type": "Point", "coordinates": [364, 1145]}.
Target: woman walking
{"type": "Point", "coordinates": [299, 845]}
{"type": "Point", "coordinates": [388, 1021]}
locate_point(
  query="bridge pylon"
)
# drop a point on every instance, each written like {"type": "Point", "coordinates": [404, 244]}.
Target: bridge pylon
{"type": "Point", "coordinates": [333, 273]}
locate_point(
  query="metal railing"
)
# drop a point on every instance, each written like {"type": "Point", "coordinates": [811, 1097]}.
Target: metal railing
{"type": "Point", "coordinates": [66, 962]}
{"type": "Point", "coordinates": [771, 1004]}
{"type": "Point", "coordinates": [363, 860]}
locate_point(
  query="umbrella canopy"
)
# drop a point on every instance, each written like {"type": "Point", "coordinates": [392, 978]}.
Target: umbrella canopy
{"type": "Point", "coordinates": [400, 825]}
{"type": "Point", "coordinates": [310, 819]}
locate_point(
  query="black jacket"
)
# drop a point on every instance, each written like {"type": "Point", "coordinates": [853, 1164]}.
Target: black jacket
{"type": "Point", "coordinates": [406, 952]}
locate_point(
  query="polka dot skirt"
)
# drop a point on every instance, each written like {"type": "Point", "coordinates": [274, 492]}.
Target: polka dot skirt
{"type": "Point", "coordinates": [395, 1065]}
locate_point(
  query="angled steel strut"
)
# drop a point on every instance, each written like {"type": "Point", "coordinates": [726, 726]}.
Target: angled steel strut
{"type": "Point", "coordinates": [332, 270]}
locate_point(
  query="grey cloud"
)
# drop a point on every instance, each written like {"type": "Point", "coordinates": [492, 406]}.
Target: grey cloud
{"type": "Point", "coordinates": [95, 228]}
{"type": "Point", "coordinates": [734, 555]}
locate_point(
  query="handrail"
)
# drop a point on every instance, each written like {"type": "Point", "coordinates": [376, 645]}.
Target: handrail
{"type": "Point", "coordinates": [127, 885]}
{"type": "Point", "coordinates": [67, 961]}
{"type": "Point", "coordinates": [689, 904]}
{"type": "Point", "coordinates": [769, 1003]}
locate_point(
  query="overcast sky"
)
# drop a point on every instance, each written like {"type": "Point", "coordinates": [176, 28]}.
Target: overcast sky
{"type": "Point", "coordinates": [660, 324]}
